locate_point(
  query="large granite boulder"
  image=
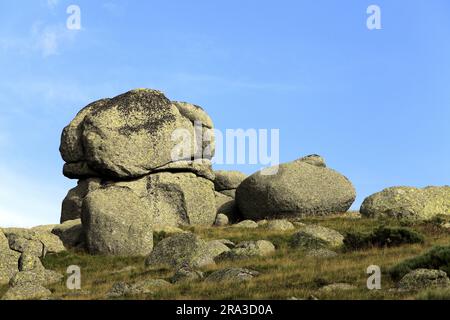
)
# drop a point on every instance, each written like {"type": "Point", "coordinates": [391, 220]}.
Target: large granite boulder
{"type": "Point", "coordinates": [71, 233]}
{"type": "Point", "coordinates": [117, 222]}
{"type": "Point", "coordinates": [408, 203]}
{"type": "Point", "coordinates": [130, 135]}
{"type": "Point", "coordinates": [299, 188]}
{"type": "Point", "coordinates": [72, 203]}
{"type": "Point", "coordinates": [228, 180]}
{"type": "Point", "coordinates": [184, 249]}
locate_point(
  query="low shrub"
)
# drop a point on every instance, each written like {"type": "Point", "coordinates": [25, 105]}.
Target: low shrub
{"type": "Point", "coordinates": [437, 258]}
{"type": "Point", "coordinates": [382, 237]}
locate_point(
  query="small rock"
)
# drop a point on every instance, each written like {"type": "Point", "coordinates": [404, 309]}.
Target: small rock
{"type": "Point", "coordinates": [228, 243]}
{"type": "Point", "coordinates": [186, 273]}
{"type": "Point", "coordinates": [247, 224]}
{"type": "Point", "coordinates": [248, 249]}
{"type": "Point", "coordinates": [147, 286]}
{"type": "Point", "coordinates": [280, 225]}
{"type": "Point", "coordinates": [228, 180]}
{"type": "Point", "coordinates": [315, 237]}
{"type": "Point", "coordinates": [424, 279]}
{"type": "Point", "coordinates": [41, 277]}
{"type": "Point", "coordinates": [336, 287]}
{"type": "Point", "coordinates": [232, 274]}
{"type": "Point", "coordinates": [27, 291]}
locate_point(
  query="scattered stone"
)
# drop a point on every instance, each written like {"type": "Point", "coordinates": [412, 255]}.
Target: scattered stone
{"type": "Point", "coordinates": [34, 242]}
{"type": "Point", "coordinates": [248, 249]}
{"type": "Point", "coordinates": [408, 203]}
{"type": "Point", "coordinates": [227, 206]}
{"type": "Point", "coordinates": [424, 279]}
{"type": "Point", "coordinates": [337, 287]}
{"type": "Point", "coordinates": [36, 276]}
{"type": "Point", "coordinates": [221, 220]}
{"type": "Point", "coordinates": [27, 291]}
{"type": "Point", "coordinates": [228, 243]}
{"type": "Point", "coordinates": [316, 237]}
{"type": "Point", "coordinates": [216, 247]}
{"type": "Point", "coordinates": [247, 224]}
{"type": "Point", "coordinates": [181, 249]}
{"type": "Point", "coordinates": [147, 286]}
{"type": "Point", "coordinates": [116, 223]}
{"type": "Point", "coordinates": [186, 274]}
{"type": "Point", "coordinates": [232, 274]}
{"type": "Point", "coordinates": [295, 189]}
{"type": "Point", "coordinates": [321, 253]}
{"type": "Point", "coordinates": [279, 225]}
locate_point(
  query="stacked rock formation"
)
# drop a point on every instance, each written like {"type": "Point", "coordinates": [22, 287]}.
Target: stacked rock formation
{"type": "Point", "coordinates": [142, 161]}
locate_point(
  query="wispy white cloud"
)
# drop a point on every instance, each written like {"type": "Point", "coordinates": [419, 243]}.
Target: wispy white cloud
{"type": "Point", "coordinates": [46, 40]}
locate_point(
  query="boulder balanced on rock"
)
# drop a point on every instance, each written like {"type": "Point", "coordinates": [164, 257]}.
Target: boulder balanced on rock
{"type": "Point", "coordinates": [138, 170]}
{"type": "Point", "coordinates": [303, 187]}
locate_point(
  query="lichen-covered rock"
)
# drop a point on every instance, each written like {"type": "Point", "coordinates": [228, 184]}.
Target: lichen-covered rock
{"type": "Point", "coordinates": [227, 206]}
{"type": "Point", "coordinates": [216, 247]}
{"type": "Point", "coordinates": [179, 250]}
{"type": "Point", "coordinates": [142, 287]}
{"type": "Point", "coordinates": [246, 224]}
{"type": "Point", "coordinates": [70, 232]}
{"type": "Point", "coordinates": [424, 279]}
{"type": "Point", "coordinates": [248, 249]}
{"type": "Point", "coordinates": [408, 203]}
{"type": "Point", "coordinates": [316, 237]}
{"type": "Point", "coordinates": [232, 275]}
{"type": "Point", "coordinates": [37, 276]}
{"type": "Point", "coordinates": [337, 287]}
{"type": "Point", "coordinates": [72, 203]}
{"type": "Point", "coordinates": [27, 291]}
{"type": "Point", "coordinates": [297, 189]}
{"type": "Point", "coordinates": [187, 274]}
{"type": "Point", "coordinates": [8, 264]}
{"type": "Point", "coordinates": [117, 222]}
{"type": "Point", "coordinates": [37, 242]}
{"type": "Point", "coordinates": [314, 159]}
{"type": "Point", "coordinates": [228, 180]}
{"type": "Point", "coordinates": [130, 135]}
{"type": "Point", "coordinates": [29, 262]}
{"type": "Point", "coordinates": [279, 225]}
{"type": "Point", "coordinates": [230, 193]}
{"type": "Point", "coordinates": [200, 167]}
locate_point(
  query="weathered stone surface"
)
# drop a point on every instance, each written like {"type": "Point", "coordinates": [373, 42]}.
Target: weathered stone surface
{"type": "Point", "coordinates": [336, 287]}
{"type": "Point", "coordinates": [187, 274]}
{"type": "Point", "coordinates": [130, 135]}
{"type": "Point", "coordinates": [216, 247]}
{"type": "Point", "coordinates": [227, 180]}
{"type": "Point", "coordinates": [35, 242]}
{"type": "Point", "coordinates": [248, 249]}
{"type": "Point", "coordinates": [194, 113]}
{"type": "Point", "coordinates": [423, 279]}
{"type": "Point", "coordinates": [316, 237]}
{"type": "Point", "coordinates": [200, 167]}
{"type": "Point", "coordinates": [144, 287]}
{"type": "Point", "coordinates": [70, 232]}
{"type": "Point", "coordinates": [297, 189]}
{"type": "Point", "coordinates": [246, 224]}
{"type": "Point", "coordinates": [227, 206]}
{"type": "Point", "coordinates": [71, 206]}
{"type": "Point", "coordinates": [37, 276]}
{"type": "Point", "coordinates": [232, 275]}
{"type": "Point", "coordinates": [8, 264]}
{"type": "Point", "coordinates": [408, 203]}
{"type": "Point", "coordinates": [230, 193]}
{"type": "Point", "coordinates": [314, 159]}
{"type": "Point", "coordinates": [280, 225]}
{"type": "Point", "coordinates": [181, 198]}
{"type": "Point", "coordinates": [27, 291]}
{"type": "Point", "coordinates": [117, 222]}
{"type": "Point", "coordinates": [29, 262]}
{"type": "Point", "coordinates": [221, 220]}
{"type": "Point", "coordinates": [179, 250]}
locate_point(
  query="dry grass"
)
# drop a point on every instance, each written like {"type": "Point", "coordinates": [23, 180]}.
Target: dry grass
{"type": "Point", "coordinates": [287, 273]}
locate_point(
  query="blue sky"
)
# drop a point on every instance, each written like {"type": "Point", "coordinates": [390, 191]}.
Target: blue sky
{"type": "Point", "coordinates": [374, 103]}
